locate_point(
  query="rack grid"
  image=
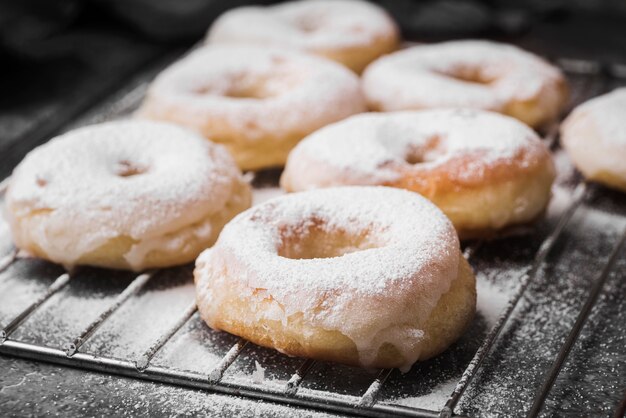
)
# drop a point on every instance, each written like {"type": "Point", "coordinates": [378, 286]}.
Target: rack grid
{"type": "Point", "coordinates": [595, 78]}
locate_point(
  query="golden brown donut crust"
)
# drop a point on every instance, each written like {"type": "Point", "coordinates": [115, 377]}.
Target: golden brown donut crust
{"type": "Point", "coordinates": [470, 74]}
{"type": "Point", "coordinates": [594, 137]}
{"type": "Point", "coordinates": [447, 322]}
{"type": "Point", "coordinates": [124, 195]}
{"type": "Point", "coordinates": [350, 32]}
{"type": "Point", "coordinates": [473, 203]}
{"type": "Point", "coordinates": [369, 276]}
{"type": "Point", "coordinates": [257, 102]}
{"type": "Point", "coordinates": [450, 162]}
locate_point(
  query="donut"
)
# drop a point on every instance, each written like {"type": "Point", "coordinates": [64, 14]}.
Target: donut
{"type": "Point", "coordinates": [365, 276]}
{"type": "Point", "coordinates": [594, 136]}
{"type": "Point", "coordinates": [484, 170]}
{"type": "Point", "coordinates": [127, 195]}
{"type": "Point", "coordinates": [350, 32]}
{"type": "Point", "coordinates": [468, 74]}
{"type": "Point", "coordinates": [258, 102]}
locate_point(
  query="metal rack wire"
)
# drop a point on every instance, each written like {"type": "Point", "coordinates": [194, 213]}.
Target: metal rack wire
{"type": "Point", "coordinates": [596, 80]}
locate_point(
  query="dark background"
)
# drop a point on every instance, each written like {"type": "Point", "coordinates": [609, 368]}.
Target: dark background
{"type": "Point", "coordinates": [59, 58]}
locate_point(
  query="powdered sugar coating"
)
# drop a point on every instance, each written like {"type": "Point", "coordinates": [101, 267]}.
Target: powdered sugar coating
{"type": "Point", "coordinates": [258, 102]}
{"type": "Point", "coordinates": [137, 179]}
{"type": "Point", "coordinates": [370, 148]}
{"type": "Point", "coordinates": [609, 112]}
{"type": "Point", "coordinates": [300, 90]}
{"type": "Point", "coordinates": [594, 136]}
{"type": "Point", "coordinates": [368, 295]}
{"type": "Point", "coordinates": [476, 74]}
{"type": "Point", "coordinates": [309, 25]}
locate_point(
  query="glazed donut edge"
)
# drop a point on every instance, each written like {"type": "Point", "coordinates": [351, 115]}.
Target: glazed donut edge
{"type": "Point", "coordinates": [111, 195]}
{"type": "Point", "coordinates": [309, 308]}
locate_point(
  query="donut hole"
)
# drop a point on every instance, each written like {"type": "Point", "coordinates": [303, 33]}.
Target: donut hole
{"type": "Point", "coordinates": [431, 150]}
{"type": "Point", "coordinates": [235, 91]}
{"type": "Point", "coordinates": [414, 158]}
{"type": "Point", "coordinates": [248, 92]}
{"type": "Point", "coordinates": [238, 88]}
{"type": "Point", "coordinates": [467, 74]}
{"type": "Point", "coordinates": [251, 85]}
{"type": "Point", "coordinates": [308, 23]}
{"type": "Point", "coordinates": [320, 241]}
{"type": "Point", "coordinates": [125, 168]}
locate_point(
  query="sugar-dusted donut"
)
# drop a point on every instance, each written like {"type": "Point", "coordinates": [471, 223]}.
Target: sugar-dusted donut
{"type": "Point", "coordinates": [258, 102]}
{"type": "Point", "coordinates": [470, 74]}
{"type": "Point", "coordinates": [129, 195]}
{"type": "Point", "coordinates": [351, 32]}
{"type": "Point", "coordinates": [483, 169]}
{"type": "Point", "coordinates": [369, 276]}
{"type": "Point", "coordinates": [594, 136]}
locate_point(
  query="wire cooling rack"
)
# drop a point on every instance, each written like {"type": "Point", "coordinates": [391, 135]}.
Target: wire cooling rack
{"type": "Point", "coordinates": [525, 262]}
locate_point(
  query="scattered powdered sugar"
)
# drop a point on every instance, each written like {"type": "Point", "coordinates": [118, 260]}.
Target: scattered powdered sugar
{"type": "Point", "coordinates": [433, 401]}
{"type": "Point", "coordinates": [50, 390]}
{"type": "Point", "coordinates": [258, 376]}
{"type": "Point", "coordinates": [492, 298]}
{"type": "Point", "coordinates": [140, 180]}
{"type": "Point", "coordinates": [133, 328]}
{"type": "Point", "coordinates": [21, 285]}
{"type": "Point", "coordinates": [193, 403]}
{"type": "Point", "coordinates": [565, 172]}
{"type": "Point", "coordinates": [67, 313]}
{"type": "Point", "coordinates": [376, 148]}
{"type": "Point", "coordinates": [6, 243]}
{"type": "Point", "coordinates": [309, 25]}
{"type": "Point", "coordinates": [424, 77]}
{"type": "Point", "coordinates": [604, 221]}
{"type": "Point", "coordinates": [195, 347]}
{"type": "Point", "coordinates": [413, 259]}
{"type": "Point", "coordinates": [591, 381]}
{"type": "Point", "coordinates": [187, 403]}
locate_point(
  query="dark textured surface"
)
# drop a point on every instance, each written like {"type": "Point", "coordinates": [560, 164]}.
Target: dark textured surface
{"type": "Point", "coordinates": [595, 374]}
{"type": "Point", "coordinates": [37, 389]}
{"type": "Point", "coordinates": [40, 96]}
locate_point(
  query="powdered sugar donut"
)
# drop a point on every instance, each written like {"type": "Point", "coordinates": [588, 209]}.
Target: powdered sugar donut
{"type": "Point", "coordinates": [124, 195]}
{"type": "Point", "coordinates": [470, 74]}
{"type": "Point", "coordinates": [257, 102]}
{"type": "Point", "coordinates": [594, 136]}
{"type": "Point", "coordinates": [369, 276]}
{"type": "Point", "coordinates": [351, 32]}
{"type": "Point", "coordinates": [484, 170]}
